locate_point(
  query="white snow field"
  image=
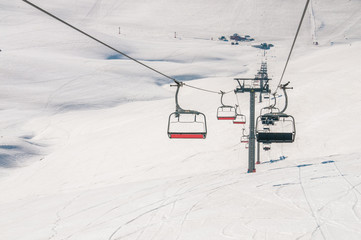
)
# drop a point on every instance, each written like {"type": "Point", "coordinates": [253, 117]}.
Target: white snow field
{"type": "Point", "coordinates": [84, 151]}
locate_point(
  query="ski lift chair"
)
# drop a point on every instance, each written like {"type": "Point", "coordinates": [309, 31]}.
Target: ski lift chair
{"type": "Point", "coordinates": [225, 112]}
{"type": "Point", "coordinates": [244, 137]}
{"type": "Point", "coordinates": [269, 115]}
{"type": "Point", "coordinates": [284, 131]}
{"type": "Point", "coordinates": [266, 147]}
{"type": "Point", "coordinates": [240, 118]}
{"type": "Point", "coordinates": [283, 127]}
{"type": "Point", "coordinates": [186, 124]}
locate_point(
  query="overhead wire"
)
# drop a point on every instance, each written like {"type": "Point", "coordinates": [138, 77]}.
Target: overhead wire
{"type": "Point", "coordinates": [207, 90]}
{"type": "Point", "coordinates": [101, 42]}
{"type": "Point", "coordinates": [293, 44]}
{"type": "Point", "coordinates": [120, 52]}
{"type": "Point", "coordinates": [157, 71]}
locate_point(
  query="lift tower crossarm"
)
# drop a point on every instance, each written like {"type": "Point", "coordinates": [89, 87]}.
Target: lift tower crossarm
{"type": "Point", "coordinates": [243, 88]}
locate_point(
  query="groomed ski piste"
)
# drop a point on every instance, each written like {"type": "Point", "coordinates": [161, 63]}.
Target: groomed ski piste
{"type": "Point", "coordinates": [84, 151]}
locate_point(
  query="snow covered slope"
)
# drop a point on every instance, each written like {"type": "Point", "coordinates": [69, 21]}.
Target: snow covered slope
{"type": "Point", "coordinates": [84, 152]}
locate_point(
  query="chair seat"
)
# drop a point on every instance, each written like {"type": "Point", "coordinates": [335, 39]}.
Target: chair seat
{"type": "Point", "coordinates": [274, 137]}
{"type": "Point", "coordinates": [187, 135]}
{"type": "Point", "coordinates": [226, 118]}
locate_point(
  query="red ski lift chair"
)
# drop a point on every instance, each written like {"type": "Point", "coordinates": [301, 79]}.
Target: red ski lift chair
{"type": "Point", "coordinates": [225, 112]}
{"type": "Point", "coordinates": [190, 124]}
{"type": "Point", "coordinates": [186, 124]}
{"type": "Point", "coordinates": [240, 118]}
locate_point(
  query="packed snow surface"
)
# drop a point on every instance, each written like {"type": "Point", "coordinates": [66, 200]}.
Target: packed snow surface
{"type": "Point", "coordinates": [84, 151]}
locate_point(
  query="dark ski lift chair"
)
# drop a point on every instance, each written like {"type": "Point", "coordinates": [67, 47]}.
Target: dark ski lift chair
{"type": "Point", "coordinates": [284, 131]}
{"type": "Point", "coordinates": [266, 147]}
{"type": "Point", "coordinates": [269, 115]}
{"type": "Point", "coordinates": [186, 124]}
{"type": "Point", "coordinates": [278, 127]}
{"type": "Point", "coordinates": [244, 138]}
{"type": "Point", "coordinates": [240, 118]}
{"type": "Point", "coordinates": [225, 112]}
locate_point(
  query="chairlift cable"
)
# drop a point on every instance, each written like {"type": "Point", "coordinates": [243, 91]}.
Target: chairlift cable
{"type": "Point", "coordinates": [176, 118]}
{"type": "Point", "coordinates": [97, 40]}
{"type": "Point", "coordinates": [207, 90]}
{"type": "Point", "coordinates": [108, 46]}
{"type": "Point", "coordinates": [201, 89]}
{"type": "Point", "coordinates": [239, 107]}
{"type": "Point", "coordinates": [293, 44]}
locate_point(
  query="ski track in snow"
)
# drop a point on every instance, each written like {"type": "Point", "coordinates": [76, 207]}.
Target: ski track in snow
{"type": "Point", "coordinates": [59, 219]}
{"type": "Point", "coordinates": [355, 191]}
{"type": "Point", "coordinates": [184, 219]}
{"type": "Point", "coordinates": [313, 213]}
{"type": "Point", "coordinates": [351, 188]}
{"type": "Point", "coordinates": [179, 197]}
{"type": "Point", "coordinates": [317, 213]}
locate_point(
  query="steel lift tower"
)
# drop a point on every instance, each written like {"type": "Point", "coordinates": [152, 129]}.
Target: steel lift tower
{"type": "Point", "coordinates": [262, 73]}
{"type": "Point", "coordinates": [249, 88]}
